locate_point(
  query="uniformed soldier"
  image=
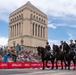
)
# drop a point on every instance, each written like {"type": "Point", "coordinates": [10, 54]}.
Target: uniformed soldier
{"type": "Point", "coordinates": [71, 45]}
{"type": "Point", "coordinates": [48, 48]}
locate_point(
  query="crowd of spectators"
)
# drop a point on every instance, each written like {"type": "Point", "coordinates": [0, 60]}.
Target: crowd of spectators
{"type": "Point", "coordinates": [11, 55]}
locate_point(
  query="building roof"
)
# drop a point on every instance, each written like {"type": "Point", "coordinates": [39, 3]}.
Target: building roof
{"type": "Point", "coordinates": [28, 4]}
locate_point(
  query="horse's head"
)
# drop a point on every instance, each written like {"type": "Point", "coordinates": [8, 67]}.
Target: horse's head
{"type": "Point", "coordinates": [56, 49]}
{"type": "Point", "coordinates": [40, 50]}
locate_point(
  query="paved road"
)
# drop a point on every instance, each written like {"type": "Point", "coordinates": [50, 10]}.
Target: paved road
{"type": "Point", "coordinates": [36, 72]}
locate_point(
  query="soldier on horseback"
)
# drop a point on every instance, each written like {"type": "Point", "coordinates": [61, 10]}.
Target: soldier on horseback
{"type": "Point", "coordinates": [75, 46]}
{"type": "Point", "coordinates": [61, 46]}
{"type": "Point", "coordinates": [71, 45]}
{"type": "Point", "coordinates": [48, 48]}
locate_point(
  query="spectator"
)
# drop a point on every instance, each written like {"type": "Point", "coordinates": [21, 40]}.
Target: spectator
{"type": "Point", "coordinates": [0, 58]}
{"type": "Point", "coordinates": [6, 57]}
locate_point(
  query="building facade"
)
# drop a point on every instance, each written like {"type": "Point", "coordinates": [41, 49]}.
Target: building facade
{"type": "Point", "coordinates": [28, 27]}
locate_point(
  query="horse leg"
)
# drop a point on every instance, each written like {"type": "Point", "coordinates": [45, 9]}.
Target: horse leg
{"type": "Point", "coordinates": [65, 62]}
{"type": "Point", "coordinates": [69, 64]}
{"type": "Point", "coordinates": [61, 64]}
{"type": "Point", "coordinates": [43, 65]}
{"type": "Point", "coordinates": [52, 63]}
{"type": "Point", "coordinates": [56, 64]}
{"type": "Point", "coordinates": [47, 63]}
{"type": "Point", "coordinates": [74, 64]}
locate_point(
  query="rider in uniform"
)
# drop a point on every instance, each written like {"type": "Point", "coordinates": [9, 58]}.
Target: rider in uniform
{"type": "Point", "coordinates": [71, 45]}
{"type": "Point", "coordinates": [75, 46]}
{"type": "Point", "coordinates": [61, 46]}
{"type": "Point", "coordinates": [48, 48]}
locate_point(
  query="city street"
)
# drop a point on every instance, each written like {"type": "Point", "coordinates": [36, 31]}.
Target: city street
{"type": "Point", "coordinates": [36, 72]}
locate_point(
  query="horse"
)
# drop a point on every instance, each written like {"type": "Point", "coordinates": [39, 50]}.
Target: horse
{"type": "Point", "coordinates": [45, 57]}
{"type": "Point", "coordinates": [59, 55]}
{"type": "Point", "coordinates": [71, 57]}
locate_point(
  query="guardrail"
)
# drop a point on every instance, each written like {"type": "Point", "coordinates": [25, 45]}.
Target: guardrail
{"type": "Point", "coordinates": [25, 64]}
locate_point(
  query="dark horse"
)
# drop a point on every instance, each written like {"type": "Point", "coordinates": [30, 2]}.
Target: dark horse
{"type": "Point", "coordinates": [59, 55]}
{"type": "Point", "coordinates": [71, 57]}
{"type": "Point", "coordinates": [45, 56]}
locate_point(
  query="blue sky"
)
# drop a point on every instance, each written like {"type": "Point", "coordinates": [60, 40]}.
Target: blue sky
{"type": "Point", "coordinates": [61, 18]}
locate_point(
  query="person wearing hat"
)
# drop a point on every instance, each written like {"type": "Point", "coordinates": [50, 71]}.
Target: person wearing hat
{"type": "Point", "coordinates": [71, 45]}
{"type": "Point", "coordinates": [48, 48]}
{"type": "Point", "coordinates": [61, 46]}
{"type": "Point", "coordinates": [75, 46]}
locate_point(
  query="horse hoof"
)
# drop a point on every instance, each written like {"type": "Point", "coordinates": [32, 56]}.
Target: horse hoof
{"type": "Point", "coordinates": [65, 68]}
{"type": "Point", "coordinates": [68, 68]}
{"type": "Point", "coordinates": [56, 67]}
{"type": "Point", "coordinates": [73, 68]}
{"type": "Point", "coordinates": [43, 68]}
{"type": "Point", "coordinates": [47, 66]}
{"type": "Point", "coordinates": [61, 68]}
{"type": "Point", "coordinates": [52, 68]}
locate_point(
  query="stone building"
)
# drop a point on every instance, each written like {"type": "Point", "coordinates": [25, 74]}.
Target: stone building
{"type": "Point", "coordinates": [28, 27]}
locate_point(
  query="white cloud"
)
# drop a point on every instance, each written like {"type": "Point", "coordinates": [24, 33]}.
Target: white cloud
{"type": "Point", "coordinates": [52, 26]}
{"type": "Point", "coordinates": [55, 25]}
{"type": "Point", "coordinates": [57, 8]}
{"type": "Point", "coordinates": [3, 40]}
{"type": "Point", "coordinates": [56, 42]}
{"type": "Point", "coordinates": [70, 36]}
{"type": "Point", "coordinates": [73, 26]}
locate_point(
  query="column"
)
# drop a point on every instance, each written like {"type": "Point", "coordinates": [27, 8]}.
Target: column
{"type": "Point", "coordinates": [16, 30]}
{"type": "Point", "coordinates": [34, 29]}
{"type": "Point", "coordinates": [12, 31]}
{"type": "Point", "coordinates": [41, 31]}
{"type": "Point", "coordinates": [44, 32]}
{"type": "Point", "coordinates": [21, 29]}
{"type": "Point", "coordinates": [37, 30]}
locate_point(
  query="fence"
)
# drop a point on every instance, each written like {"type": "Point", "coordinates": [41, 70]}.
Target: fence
{"type": "Point", "coordinates": [25, 64]}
